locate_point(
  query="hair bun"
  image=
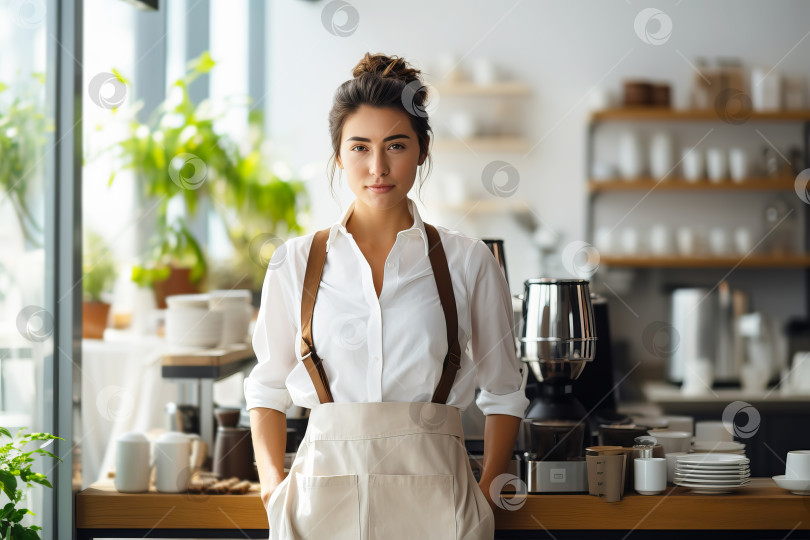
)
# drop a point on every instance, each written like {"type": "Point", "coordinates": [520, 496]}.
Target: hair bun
{"type": "Point", "coordinates": [392, 67]}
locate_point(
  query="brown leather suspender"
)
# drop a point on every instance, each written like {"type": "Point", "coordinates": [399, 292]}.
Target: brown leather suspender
{"type": "Point", "coordinates": [441, 273]}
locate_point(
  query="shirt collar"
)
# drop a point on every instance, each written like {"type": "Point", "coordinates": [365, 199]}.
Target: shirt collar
{"type": "Point", "coordinates": [418, 226]}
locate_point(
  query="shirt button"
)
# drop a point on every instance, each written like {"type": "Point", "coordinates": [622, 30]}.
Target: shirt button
{"type": "Point", "coordinates": [376, 358]}
{"type": "Point", "coordinates": [390, 265]}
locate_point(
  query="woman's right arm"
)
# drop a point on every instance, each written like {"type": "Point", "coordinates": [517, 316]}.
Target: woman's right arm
{"type": "Point", "coordinates": [266, 394]}
{"type": "Point", "coordinates": [269, 431]}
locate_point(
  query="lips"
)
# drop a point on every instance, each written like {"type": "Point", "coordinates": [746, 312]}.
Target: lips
{"type": "Point", "coordinates": [380, 188]}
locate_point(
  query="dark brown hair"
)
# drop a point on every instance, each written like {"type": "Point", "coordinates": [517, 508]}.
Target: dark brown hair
{"type": "Point", "coordinates": [382, 81]}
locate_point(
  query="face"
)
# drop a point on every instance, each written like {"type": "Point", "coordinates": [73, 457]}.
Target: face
{"type": "Point", "coordinates": [380, 153]}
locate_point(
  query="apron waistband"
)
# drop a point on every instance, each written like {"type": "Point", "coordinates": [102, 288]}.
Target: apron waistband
{"type": "Point", "coordinates": [352, 421]}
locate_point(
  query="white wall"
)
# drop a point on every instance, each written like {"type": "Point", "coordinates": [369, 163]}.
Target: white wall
{"type": "Point", "coordinates": [562, 49]}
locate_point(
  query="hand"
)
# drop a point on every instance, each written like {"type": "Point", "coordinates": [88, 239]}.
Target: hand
{"type": "Point", "coordinates": [267, 492]}
{"type": "Point", "coordinates": [485, 487]}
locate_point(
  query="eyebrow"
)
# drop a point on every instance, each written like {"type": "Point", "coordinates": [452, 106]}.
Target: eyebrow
{"type": "Point", "coordinates": [392, 137]}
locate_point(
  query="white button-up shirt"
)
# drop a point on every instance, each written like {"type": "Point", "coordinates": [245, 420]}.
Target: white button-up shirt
{"type": "Point", "coordinates": [391, 348]}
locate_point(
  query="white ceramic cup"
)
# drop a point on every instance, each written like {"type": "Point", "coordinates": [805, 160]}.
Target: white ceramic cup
{"type": "Point", "coordinates": [603, 240]}
{"type": "Point", "coordinates": [630, 156]}
{"type": "Point", "coordinates": [174, 460]}
{"type": "Point", "coordinates": [630, 242]}
{"type": "Point", "coordinates": [650, 475]}
{"type": "Point", "coordinates": [797, 464]}
{"type": "Point", "coordinates": [672, 462]}
{"type": "Point", "coordinates": [742, 240]}
{"type": "Point", "coordinates": [681, 423]}
{"type": "Point", "coordinates": [692, 164]}
{"type": "Point", "coordinates": [661, 240]}
{"type": "Point", "coordinates": [132, 463]}
{"type": "Point", "coordinates": [716, 164]}
{"type": "Point", "coordinates": [712, 431]}
{"type": "Point", "coordinates": [673, 441]}
{"type": "Point", "coordinates": [685, 241]}
{"type": "Point", "coordinates": [718, 241]}
{"type": "Point", "coordinates": [661, 155]}
{"type": "Point", "coordinates": [698, 377]}
{"type": "Point", "coordinates": [738, 164]}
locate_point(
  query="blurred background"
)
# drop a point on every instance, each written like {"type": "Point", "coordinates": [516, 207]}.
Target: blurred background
{"type": "Point", "coordinates": [659, 150]}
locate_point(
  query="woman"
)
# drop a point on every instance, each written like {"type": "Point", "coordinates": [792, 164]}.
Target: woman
{"type": "Point", "coordinates": [378, 358]}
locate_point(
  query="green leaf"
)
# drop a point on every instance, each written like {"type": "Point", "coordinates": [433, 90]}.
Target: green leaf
{"type": "Point", "coordinates": [4, 431]}
{"type": "Point", "coordinates": [9, 484]}
{"type": "Point", "coordinates": [119, 76]}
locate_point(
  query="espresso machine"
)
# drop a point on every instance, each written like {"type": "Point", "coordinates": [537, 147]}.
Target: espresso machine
{"type": "Point", "coordinates": [557, 341]}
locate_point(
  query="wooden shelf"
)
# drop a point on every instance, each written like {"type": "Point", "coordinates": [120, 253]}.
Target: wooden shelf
{"type": "Point", "coordinates": [485, 144]}
{"type": "Point", "coordinates": [679, 184]}
{"type": "Point", "coordinates": [484, 206]}
{"type": "Point", "coordinates": [501, 89]}
{"type": "Point", "coordinates": [667, 114]}
{"type": "Point", "coordinates": [752, 261]}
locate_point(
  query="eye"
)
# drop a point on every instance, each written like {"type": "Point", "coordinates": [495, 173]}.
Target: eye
{"type": "Point", "coordinates": [397, 144]}
{"type": "Point", "coordinates": [357, 146]}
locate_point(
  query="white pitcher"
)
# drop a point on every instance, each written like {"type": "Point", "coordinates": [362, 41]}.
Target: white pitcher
{"type": "Point", "coordinates": [177, 456]}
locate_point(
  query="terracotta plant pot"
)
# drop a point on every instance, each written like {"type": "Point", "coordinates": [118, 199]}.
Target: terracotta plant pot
{"type": "Point", "coordinates": [94, 319]}
{"type": "Point", "coordinates": [178, 282]}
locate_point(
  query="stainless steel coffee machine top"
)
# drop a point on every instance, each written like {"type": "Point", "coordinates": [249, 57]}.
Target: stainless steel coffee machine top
{"type": "Point", "coordinates": [558, 335]}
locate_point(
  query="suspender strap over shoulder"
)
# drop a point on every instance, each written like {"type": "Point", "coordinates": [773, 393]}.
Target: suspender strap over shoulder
{"type": "Point", "coordinates": [312, 281]}
{"type": "Point", "coordinates": [444, 285]}
{"type": "Point", "coordinates": [441, 273]}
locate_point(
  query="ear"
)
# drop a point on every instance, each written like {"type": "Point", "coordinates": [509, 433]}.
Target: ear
{"type": "Point", "coordinates": [338, 161]}
{"type": "Point", "coordinates": [423, 155]}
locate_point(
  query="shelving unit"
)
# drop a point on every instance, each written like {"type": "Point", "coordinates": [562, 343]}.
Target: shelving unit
{"type": "Point", "coordinates": [659, 114]}
{"type": "Point", "coordinates": [484, 143]}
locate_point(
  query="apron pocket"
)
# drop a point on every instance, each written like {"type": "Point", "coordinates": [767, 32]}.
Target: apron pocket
{"type": "Point", "coordinates": [411, 506]}
{"type": "Point", "coordinates": [327, 507]}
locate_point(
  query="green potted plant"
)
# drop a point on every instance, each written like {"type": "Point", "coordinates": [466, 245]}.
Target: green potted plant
{"type": "Point", "coordinates": [178, 154]}
{"type": "Point", "coordinates": [24, 131]}
{"type": "Point", "coordinates": [98, 277]}
{"type": "Point", "coordinates": [15, 465]}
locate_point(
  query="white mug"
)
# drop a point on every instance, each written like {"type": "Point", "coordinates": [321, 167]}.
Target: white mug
{"type": "Point", "coordinates": [716, 166]}
{"type": "Point", "coordinates": [797, 465]}
{"type": "Point", "coordinates": [718, 241]}
{"type": "Point", "coordinates": [673, 441]}
{"type": "Point", "coordinates": [175, 461]}
{"type": "Point", "coordinates": [133, 465]}
{"type": "Point", "coordinates": [712, 431]}
{"type": "Point", "coordinates": [742, 240]}
{"type": "Point", "coordinates": [631, 159]}
{"type": "Point", "coordinates": [661, 155]}
{"type": "Point", "coordinates": [738, 164]}
{"type": "Point", "coordinates": [692, 164]}
{"type": "Point", "coordinates": [650, 475]}
{"type": "Point", "coordinates": [685, 239]}
{"type": "Point", "coordinates": [630, 242]}
{"type": "Point", "coordinates": [698, 377]}
{"type": "Point", "coordinates": [660, 240]}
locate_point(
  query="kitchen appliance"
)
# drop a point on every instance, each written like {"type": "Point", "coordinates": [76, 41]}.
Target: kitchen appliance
{"type": "Point", "coordinates": [233, 448]}
{"type": "Point", "coordinates": [557, 340]}
{"type": "Point", "coordinates": [706, 325]}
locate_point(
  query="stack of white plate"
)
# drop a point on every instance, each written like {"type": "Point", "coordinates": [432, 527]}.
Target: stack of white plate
{"type": "Point", "coordinates": [712, 473]}
{"type": "Point", "coordinates": [723, 447]}
{"type": "Point", "coordinates": [190, 323]}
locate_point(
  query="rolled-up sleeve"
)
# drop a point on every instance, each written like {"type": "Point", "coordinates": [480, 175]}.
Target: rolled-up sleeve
{"type": "Point", "coordinates": [274, 338]}
{"type": "Point", "coordinates": [492, 337]}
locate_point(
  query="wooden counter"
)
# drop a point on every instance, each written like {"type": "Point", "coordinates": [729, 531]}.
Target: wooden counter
{"type": "Point", "coordinates": [103, 512]}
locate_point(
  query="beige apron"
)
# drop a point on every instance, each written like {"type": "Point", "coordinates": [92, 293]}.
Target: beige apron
{"type": "Point", "coordinates": [390, 470]}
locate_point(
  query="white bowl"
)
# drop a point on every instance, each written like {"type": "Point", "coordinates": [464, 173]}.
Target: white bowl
{"type": "Point", "coordinates": [188, 301]}
{"type": "Point", "coordinates": [795, 486]}
{"type": "Point", "coordinates": [193, 327]}
{"type": "Point", "coordinates": [673, 441]}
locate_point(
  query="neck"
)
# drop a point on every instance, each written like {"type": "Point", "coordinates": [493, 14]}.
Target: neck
{"type": "Point", "coordinates": [379, 226]}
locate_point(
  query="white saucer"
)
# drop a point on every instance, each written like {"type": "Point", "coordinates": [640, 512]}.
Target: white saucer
{"type": "Point", "coordinates": [795, 486]}
{"type": "Point", "coordinates": [714, 459]}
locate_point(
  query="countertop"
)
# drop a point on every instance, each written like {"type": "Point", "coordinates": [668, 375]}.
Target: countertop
{"type": "Point", "coordinates": [762, 505]}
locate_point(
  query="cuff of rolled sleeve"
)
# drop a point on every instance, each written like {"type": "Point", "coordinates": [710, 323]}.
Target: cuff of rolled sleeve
{"type": "Point", "coordinates": [514, 404]}
{"type": "Point", "coordinates": [257, 395]}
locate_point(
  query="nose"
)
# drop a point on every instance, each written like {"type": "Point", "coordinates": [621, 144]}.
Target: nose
{"type": "Point", "coordinates": [379, 165]}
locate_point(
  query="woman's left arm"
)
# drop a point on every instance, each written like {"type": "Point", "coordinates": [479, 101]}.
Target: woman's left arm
{"type": "Point", "coordinates": [492, 341]}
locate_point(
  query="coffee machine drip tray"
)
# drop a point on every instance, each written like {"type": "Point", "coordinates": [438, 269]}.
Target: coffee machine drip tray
{"type": "Point", "coordinates": [555, 476]}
